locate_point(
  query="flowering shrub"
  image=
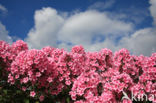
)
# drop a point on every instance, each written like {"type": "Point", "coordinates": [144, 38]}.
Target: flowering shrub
{"type": "Point", "coordinates": [78, 76]}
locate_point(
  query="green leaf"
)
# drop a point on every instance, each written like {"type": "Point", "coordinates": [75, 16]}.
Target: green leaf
{"type": "Point", "coordinates": [18, 91]}
{"type": "Point", "coordinates": [37, 102]}
{"type": "Point", "coordinates": [68, 100]}
{"type": "Point", "coordinates": [1, 97]}
{"type": "Point", "coordinates": [26, 100]}
{"type": "Point", "coordinates": [5, 91]}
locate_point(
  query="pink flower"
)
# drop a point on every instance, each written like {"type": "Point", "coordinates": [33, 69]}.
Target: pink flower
{"type": "Point", "coordinates": [30, 73]}
{"type": "Point", "coordinates": [49, 79]}
{"type": "Point", "coordinates": [24, 88]}
{"type": "Point", "coordinates": [25, 80]}
{"type": "Point", "coordinates": [68, 82]}
{"type": "Point", "coordinates": [97, 77]}
{"type": "Point", "coordinates": [41, 98]}
{"type": "Point", "coordinates": [38, 74]}
{"type": "Point", "coordinates": [32, 94]}
{"type": "Point", "coordinates": [17, 76]}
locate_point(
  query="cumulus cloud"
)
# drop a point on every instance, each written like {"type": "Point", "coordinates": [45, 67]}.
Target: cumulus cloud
{"type": "Point", "coordinates": [92, 28]}
{"type": "Point", "coordinates": [47, 25]}
{"type": "Point", "coordinates": [76, 29]}
{"type": "Point", "coordinates": [102, 5]}
{"type": "Point", "coordinates": [141, 42]}
{"type": "Point", "coordinates": [3, 9]}
{"type": "Point", "coordinates": [153, 9]}
{"type": "Point", "coordinates": [4, 34]}
{"type": "Point", "coordinates": [81, 28]}
{"type": "Point", "coordinates": [133, 14]}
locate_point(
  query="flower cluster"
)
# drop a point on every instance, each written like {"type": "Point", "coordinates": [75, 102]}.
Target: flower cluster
{"type": "Point", "coordinates": [8, 54]}
{"type": "Point", "coordinates": [110, 76]}
{"type": "Point", "coordinates": [89, 77]}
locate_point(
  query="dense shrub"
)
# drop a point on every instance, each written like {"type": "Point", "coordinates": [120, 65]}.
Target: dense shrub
{"type": "Point", "coordinates": [55, 75]}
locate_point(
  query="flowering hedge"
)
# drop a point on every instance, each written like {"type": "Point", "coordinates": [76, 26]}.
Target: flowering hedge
{"type": "Point", "coordinates": [55, 75]}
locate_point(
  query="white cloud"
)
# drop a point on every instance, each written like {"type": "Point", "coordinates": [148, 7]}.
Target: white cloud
{"type": "Point", "coordinates": [3, 9]}
{"type": "Point", "coordinates": [141, 42]}
{"type": "Point", "coordinates": [78, 28]}
{"type": "Point", "coordinates": [81, 28]}
{"type": "Point", "coordinates": [47, 25]}
{"type": "Point", "coordinates": [107, 43]}
{"type": "Point", "coordinates": [102, 5]}
{"type": "Point", "coordinates": [4, 34]}
{"type": "Point", "coordinates": [153, 9]}
{"type": "Point", "coordinates": [133, 14]}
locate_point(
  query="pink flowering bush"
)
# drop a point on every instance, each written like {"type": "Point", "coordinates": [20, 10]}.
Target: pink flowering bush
{"type": "Point", "coordinates": [7, 55]}
{"type": "Point", "coordinates": [55, 75]}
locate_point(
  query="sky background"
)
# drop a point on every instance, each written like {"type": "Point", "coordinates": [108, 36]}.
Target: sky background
{"type": "Point", "coordinates": [95, 24]}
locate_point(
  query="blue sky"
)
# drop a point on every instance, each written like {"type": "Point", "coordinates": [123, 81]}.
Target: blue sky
{"type": "Point", "coordinates": [95, 24]}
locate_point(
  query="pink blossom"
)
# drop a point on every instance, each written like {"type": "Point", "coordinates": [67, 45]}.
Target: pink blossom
{"type": "Point", "coordinates": [32, 94]}
{"type": "Point", "coordinates": [24, 88]}
{"type": "Point", "coordinates": [49, 79]}
{"type": "Point", "coordinates": [99, 77]}
{"type": "Point", "coordinates": [25, 80]}
{"type": "Point", "coordinates": [41, 98]}
{"type": "Point", "coordinates": [38, 74]}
